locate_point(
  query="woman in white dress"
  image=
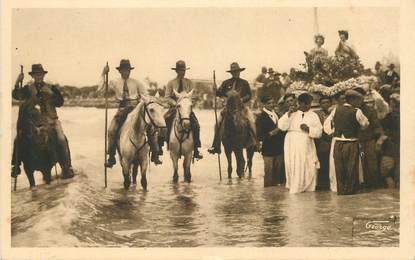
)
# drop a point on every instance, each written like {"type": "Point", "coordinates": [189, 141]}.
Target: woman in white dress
{"type": "Point", "coordinates": [300, 155]}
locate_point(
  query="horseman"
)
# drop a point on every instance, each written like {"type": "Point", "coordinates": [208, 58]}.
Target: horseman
{"type": "Point", "coordinates": [242, 87]}
{"type": "Point", "coordinates": [47, 98]}
{"type": "Point", "coordinates": [181, 84]}
{"type": "Point", "coordinates": [128, 92]}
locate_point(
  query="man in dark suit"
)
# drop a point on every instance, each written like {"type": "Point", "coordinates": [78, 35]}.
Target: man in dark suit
{"type": "Point", "coordinates": [391, 76]}
{"type": "Point", "coordinates": [272, 143]}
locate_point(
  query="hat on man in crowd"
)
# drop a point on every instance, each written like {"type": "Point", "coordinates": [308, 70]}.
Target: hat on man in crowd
{"type": "Point", "coordinates": [391, 66]}
{"type": "Point", "coordinates": [353, 93]}
{"type": "Point", "coordinates": [324, 97]}
{"type": "Point", "coordinates": [235, 67]}
{"type": "Point", "coordinates": [37, 68]}
{"type": "Point", "coordinates": [125, 64]}
{"type": "Point", "coordinates": [180, 66]}
{"type": "Point", "coordinates": [270, 71]}
{"type": "Point", "coordinates": [360, 90]}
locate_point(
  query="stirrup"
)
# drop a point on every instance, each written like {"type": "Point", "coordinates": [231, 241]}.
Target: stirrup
{"type": "Point", "coordinates": [197, 155]}
{"type": "Point", "coordinates": [15, 171]}
{"type": "Point", "coordinates": [213, 150]}
{"type": "Point", "coordinates": [156, 160]}
{"type": "Point", "coordinates": [110, 162]}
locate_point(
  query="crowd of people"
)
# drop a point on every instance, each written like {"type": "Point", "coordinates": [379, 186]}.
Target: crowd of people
{"type": "Point", "coordinates": [345, 144]}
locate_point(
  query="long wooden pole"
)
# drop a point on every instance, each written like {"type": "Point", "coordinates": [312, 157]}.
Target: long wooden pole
{"type": "Point", "coordinates": [106, 124]}
{"type": "Point", "coordinates": [216, 120]}
{"type": "Point", "coordinates": [17, 136]}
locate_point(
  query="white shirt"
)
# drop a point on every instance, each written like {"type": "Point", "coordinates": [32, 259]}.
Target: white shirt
{"type": "Point", "coordinates": [271, 114]}
{"type": "Point", "coordinates": [135, 88]}
{"type": "Point", "coordinates": [296, 119]}
{"type": "Point", "coordinates": [328, 123]}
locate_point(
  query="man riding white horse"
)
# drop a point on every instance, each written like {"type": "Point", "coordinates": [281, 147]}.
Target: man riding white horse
{"type": "Point", "coordinates": [128, 92]}
{"type": "Point", "coordinates": [181, 84]}
{"type": "Point", "coordinates": [242, 87]}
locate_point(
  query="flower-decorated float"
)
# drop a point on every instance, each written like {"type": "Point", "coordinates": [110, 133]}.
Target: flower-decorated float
{"type": "Point", "coordinates": [324, 75]}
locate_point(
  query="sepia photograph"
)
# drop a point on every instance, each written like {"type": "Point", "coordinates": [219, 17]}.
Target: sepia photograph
{"type": "Point", "coordinates": [204, 126]}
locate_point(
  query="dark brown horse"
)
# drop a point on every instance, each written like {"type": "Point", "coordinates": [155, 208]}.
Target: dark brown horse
{"type": "Point", "coordinates": [236, 135]}
{"type": "Point", "coordinates": [36, 144]}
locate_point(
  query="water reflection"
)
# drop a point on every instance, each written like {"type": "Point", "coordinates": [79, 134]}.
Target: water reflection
{"type": "Point", "coordinates": [206, 212]}
{"type": "Point", "coordinates": [273, 218]}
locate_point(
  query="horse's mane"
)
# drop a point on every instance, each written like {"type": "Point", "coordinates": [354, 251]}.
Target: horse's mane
{"type": "Point", "coordinates": [234, 111]}
{"type": "Point", "coordinates": [234, 102]}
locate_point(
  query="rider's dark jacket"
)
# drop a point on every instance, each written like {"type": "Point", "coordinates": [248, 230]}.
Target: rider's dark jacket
{"type": "Point", "coordinates": [32, 95]}
{"type": "Point", "coordinates": [240, 85]}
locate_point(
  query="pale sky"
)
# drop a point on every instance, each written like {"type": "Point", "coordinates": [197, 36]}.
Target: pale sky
{"type": "Point", "coordinates": [74, 44]}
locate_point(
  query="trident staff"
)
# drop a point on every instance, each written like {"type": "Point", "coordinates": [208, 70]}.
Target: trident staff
{"type": "Point", "coordinates": [106, 123]}
{"type": "Point", "coordinates": [16, 157]}
{"type": "Point", "coordinates": [215, 88]}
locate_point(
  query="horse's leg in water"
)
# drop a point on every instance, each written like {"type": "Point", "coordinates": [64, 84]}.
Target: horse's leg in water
{"type": "Point", "coordinates": [228, 153]}
{"type": "Point", "coordinates": [240, 162]}
{"type": "Point", "coordinates": [126, 173]}
{"type": "Point", "coordinates": [249, 155]}
{"type": "Point", "coordinates": [186, 167]}
{"type": "Point", "coordinates": [47, 176]}
{"type": "Point", "coordinates": [143, 169]}
{"type": "Point", "coordinates": [175, 161]}
{"type": "Point", "coordinates": [135, 172]}
{"type": "Point", "coordinates": [30, 177]}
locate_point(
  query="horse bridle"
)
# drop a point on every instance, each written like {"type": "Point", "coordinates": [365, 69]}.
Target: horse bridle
{"type": "Point", "coordinates": [182, 119]}
{"type": "Point", "coordinates": [152, 123]}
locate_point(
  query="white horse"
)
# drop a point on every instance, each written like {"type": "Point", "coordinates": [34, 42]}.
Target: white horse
{"type": "Point", "coordinates": [133, 145]}
{"type": "Point", "coordinates": [181, 136]}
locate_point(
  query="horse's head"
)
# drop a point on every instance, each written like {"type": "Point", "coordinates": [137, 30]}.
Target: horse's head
{"type": "Point", "coordinates": [153, 112]}
{"type": "Point", "coordinates": [184, 108]}
{"type": "Point", "coordinates": [233, 101]}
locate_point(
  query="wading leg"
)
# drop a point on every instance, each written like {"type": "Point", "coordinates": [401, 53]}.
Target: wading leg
{"type": "Point", "coordinates": [186, 167]}
{"type": "Point", "coordinates": [240, 163]}
{"type": "Point", "coordinates": [175, 168]}
{"type": "Point", "coordinates": [126, 173]}
{"type": "Point", "coordinates": [135, 172]}
{"type": "Point", "coordinates": [228, 153]}
{"type": "Point", "coordinates": [143, 169]}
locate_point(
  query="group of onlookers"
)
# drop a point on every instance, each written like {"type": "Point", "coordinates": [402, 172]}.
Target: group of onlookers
{"type": "Point", "coordinates": [345, 145]}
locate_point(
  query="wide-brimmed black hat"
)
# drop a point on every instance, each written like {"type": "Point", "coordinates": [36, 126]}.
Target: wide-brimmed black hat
{"type": "Point", "coordinates": [37, 68]}
{"type": "Point", "coordinates": [125, 64]}
{"type": "Point", "coordinates": [353, 93]}
{"type": "Point", "coordinates": [235, 67]}
{"type": "Point", "coordinates": [180, 65]}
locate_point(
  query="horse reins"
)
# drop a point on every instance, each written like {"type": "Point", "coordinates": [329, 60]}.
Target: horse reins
{"type": "Point", "coordinates": [152, 123]}
{"type": "Point", "coordinates": [184, 133]}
